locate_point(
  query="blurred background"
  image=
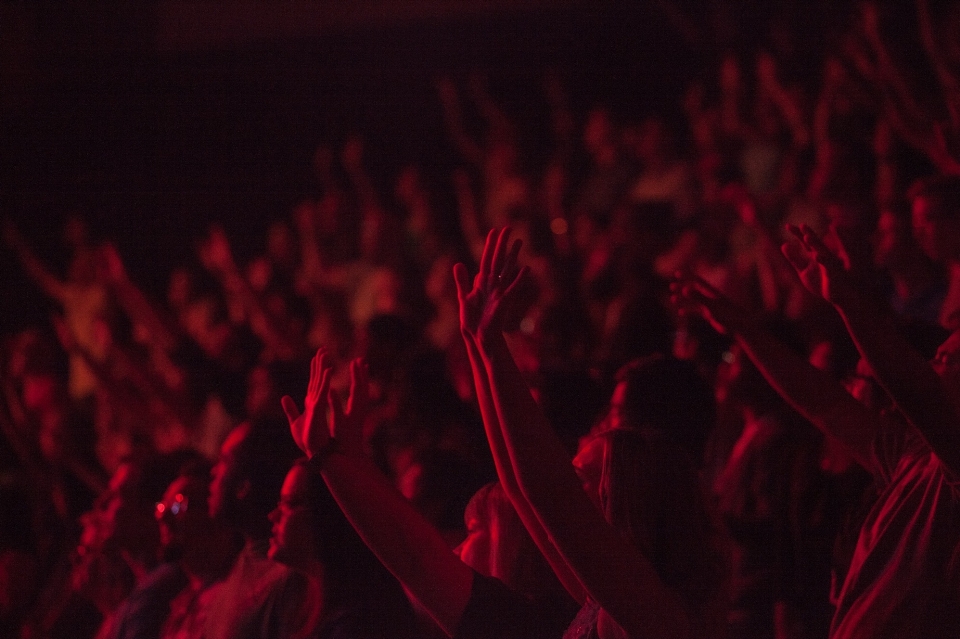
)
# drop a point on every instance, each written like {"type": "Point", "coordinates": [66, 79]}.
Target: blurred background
{"type": "Point", "coordinates": [152, 118]}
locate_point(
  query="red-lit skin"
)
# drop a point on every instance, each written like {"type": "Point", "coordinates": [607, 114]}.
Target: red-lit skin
{"type": "Point", "coordinates": [292, 542]}
{"type": "Point", "coordinates": [937, 234]}
{"type": "Point", "coordinates": [946, 364]}
{"type": "Point", "coordinates": [224, 487]}
{"type": "Point", "coordinates": [588, 463]}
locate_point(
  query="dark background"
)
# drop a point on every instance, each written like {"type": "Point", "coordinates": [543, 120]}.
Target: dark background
{"type": "Point", "coordinates": [153, 119]}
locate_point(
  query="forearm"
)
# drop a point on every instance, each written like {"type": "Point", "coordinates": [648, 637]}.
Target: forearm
{"type": "Point", "coordinates": [906, 376]}
{"type": "Point", "coordinates": [508, 480]}
{"type": "Point", "coordinates": [541, 466]}
{"type": "Point", "coordinates": [815, 394]}
{"type": "Point", "coordinates": [401, 538]}
{"type": "Point", "coordinates": [612, 571]}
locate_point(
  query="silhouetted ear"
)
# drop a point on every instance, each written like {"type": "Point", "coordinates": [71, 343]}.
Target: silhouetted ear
{"type": "Point", "coordinates": [243, 489]}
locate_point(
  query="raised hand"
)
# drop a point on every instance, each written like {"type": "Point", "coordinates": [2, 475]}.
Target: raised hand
{"type": "Point", "coordinates": [495, 296]}
{"type": "Point", "coordinates": [347, 425]}
{"type": "Point", "coordinates": [215, 253]}
{"type": "Point", "coordinates": [310, 430]}
{"type": "Point", "coordinates": [820, 270]}
{"type": "Point", "coordinates": [111, 264]}
{"type": "Point", "coordinates": [691, 295]}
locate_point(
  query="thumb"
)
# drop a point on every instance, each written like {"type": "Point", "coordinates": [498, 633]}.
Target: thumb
{"type": "Point", "coordinates": [290, 409]}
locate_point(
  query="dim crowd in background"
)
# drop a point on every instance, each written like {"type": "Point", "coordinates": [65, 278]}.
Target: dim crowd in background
{"type": "Point", "coordinates": [687, 374]}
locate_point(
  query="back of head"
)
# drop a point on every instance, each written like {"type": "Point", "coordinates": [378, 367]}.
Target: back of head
{"type": "Point", "coordinates": [668, 397]}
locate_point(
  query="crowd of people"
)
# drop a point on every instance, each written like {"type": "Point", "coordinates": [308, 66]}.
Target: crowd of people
{"type": "Point", "coordinates": [695, 374]}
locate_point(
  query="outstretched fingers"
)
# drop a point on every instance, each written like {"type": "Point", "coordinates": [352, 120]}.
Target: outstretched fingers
{"type": "Point", "coordinates": [315, 429]}
{"type": "Point", "coordinates": [294, 419]}
{"type": "Point", "coordinates": [486, 259]}
{"type": "Point", "coordinates": [359, 388]}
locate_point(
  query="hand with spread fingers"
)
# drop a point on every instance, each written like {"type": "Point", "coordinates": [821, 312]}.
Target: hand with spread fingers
{"type": "Point", "coordinates": [690, 294]}
{"type": "Point", "coordinates": [347, 424]}
{"type": "Point", "coordinates": [310, 430]}
{"type": "Point", "coordinates": [496, 294]}
{"type": "Point", "coordinates": [820, 270]}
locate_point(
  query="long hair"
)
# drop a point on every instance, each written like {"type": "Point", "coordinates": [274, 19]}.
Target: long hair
{"type": "Point", "coordinates": [352, 574]}
{"type": "Point", "coordinates": [650, 487]}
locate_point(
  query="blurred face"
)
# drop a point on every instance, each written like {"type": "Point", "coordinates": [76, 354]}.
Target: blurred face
{"type": "Point", "coordinates": [477, 548]}
{"type": "Point", "coordinates": [292, 542]}
{"type": "Point", "coordinates": [588, 465]}
{"type": "Point", "coordinates": [886, 240]}
{"type": "Point", "coordinates": [182, 515]}
{"type": "Point", "coordinates": [122, 515]}
{"type": "Point", "coordinates": [946, 363]}
{"type": "Point", "coordinates": [225, 485]}
{"type": "Point", "coordinates": [938, 236]}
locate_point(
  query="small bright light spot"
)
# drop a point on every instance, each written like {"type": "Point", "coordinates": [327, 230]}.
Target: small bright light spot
{"type": "Point", "coordinates": [161, 508]}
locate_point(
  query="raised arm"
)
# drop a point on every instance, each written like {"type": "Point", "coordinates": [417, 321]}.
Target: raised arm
{"type": "Point", "coordinates": [471, 297]}
{"type": "Point", "coordinates": [217, 257]}
{"type": "Point", "coordinates": [398, 535]}
{"type": "Point", "coordinates": [35, 268]}
{"type": "Point", "coordinates": [815, 394]}
{"type": "Point", "coordinates": [912, 383]}
{"type": "Point", "coordinates": [613, 572]}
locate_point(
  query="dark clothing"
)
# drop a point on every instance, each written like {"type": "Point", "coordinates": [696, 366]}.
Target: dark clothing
{"type": "Point", "coordinates": [497, 612]}
{"type": "Point", "coordinates": [142, 614]}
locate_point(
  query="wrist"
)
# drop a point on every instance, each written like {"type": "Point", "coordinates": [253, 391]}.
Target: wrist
{"type": "Point", "coordinates": [318, 459]}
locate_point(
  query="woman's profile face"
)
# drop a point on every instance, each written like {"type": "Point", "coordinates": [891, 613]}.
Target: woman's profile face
{"type": "Point", "coordinates": [477, 547]}
{"type": "Point", "coordinates": [588, 463]}
{"type": "Point", "coordinates": [292, 539]}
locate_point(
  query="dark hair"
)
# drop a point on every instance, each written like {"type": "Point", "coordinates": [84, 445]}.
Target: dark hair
{"type": "Point", "coordinates": [651, 493]}
{"type": "Point", "coordinates": [352, 573]}
{"type": "Point", "coordinates": [668, 396]}
{"type": "Point", "coordinates": [525, 569]}
{"type": "Point", "coordinates": [154, 471]}
{"type": "Point", "coordinates": [263, 458]}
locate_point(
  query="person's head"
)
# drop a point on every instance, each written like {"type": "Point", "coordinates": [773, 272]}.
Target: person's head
{"type": "Point", "coordinates": [182, 513]}
{"type": "Point", "coordinates": [935, 208]}
{"type": "Point", "coordinates": [946, 363]}
{"type": "Point", "coordinates": [663, 395]}
{"type": "Point", "coordinates": [253, 462]}
{"type": "Point", "coordinates": [294, 540]}
{"type": "Point", "coordinates": [498, 545]}
{"type": "Point", "coordinates": [124, 512]}
{"type": "Point", "coordinates": [893, 242]}
{"type": "Point", "coordinates": [311, 534]}
{"type": "Point", "coordinates": [640, 466]}
{"type": "Point", "coordinates": [121, 529]}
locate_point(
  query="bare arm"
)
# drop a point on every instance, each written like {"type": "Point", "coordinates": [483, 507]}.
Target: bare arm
{"type": "Point", "coordinates": [36, 269]}
{"type": "Point", "coordinates": [815, 394]}
{"type": "Point", "coordinates": [398, 535]}
{"type": "Point", "coordinates": [470, 300]}
{"type": "Point", "coordinates": [949, 84]}
{"type": "Point", "coordinates": [612, 571]}
{"type": "Point", "coordinates": [919, 393]}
